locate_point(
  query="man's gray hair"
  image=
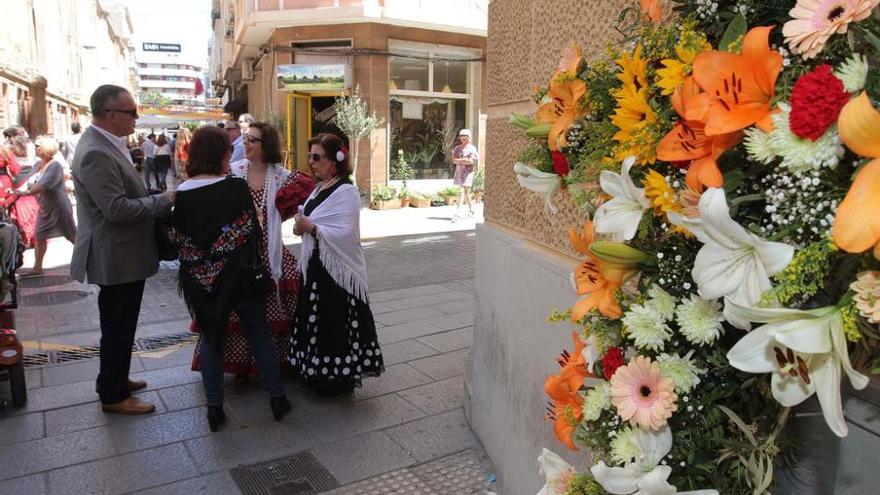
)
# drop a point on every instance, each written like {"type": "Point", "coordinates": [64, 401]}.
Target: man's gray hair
{"type": "Point", "coordinates": [247, 118]}
{"type": "Point", "coordinates": [102, 98]}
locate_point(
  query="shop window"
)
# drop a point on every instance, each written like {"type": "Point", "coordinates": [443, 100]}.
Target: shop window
{"type": "Point", "coordinates": [425, 130]}
{"type": "Point", "coordinates": [409, 74]}
{"type": "Point", "coordinates": [450, 76]}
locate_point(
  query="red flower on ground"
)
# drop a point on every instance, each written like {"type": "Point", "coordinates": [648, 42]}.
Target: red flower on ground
{"type": "Point", "coordinates": [816, 101]}
{"type": "Point", "coordinates": [613, 359]}
{"type": "Point", "coordinates": [560, 163]}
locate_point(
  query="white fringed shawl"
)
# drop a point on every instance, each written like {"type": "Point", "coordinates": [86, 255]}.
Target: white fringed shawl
{"type": "Point", "coordinates": [338, 222]}
{"type": "Point", "coordinates": [276, 175]}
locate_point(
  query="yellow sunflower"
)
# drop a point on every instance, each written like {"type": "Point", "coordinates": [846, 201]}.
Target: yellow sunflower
{"type": "Point", "coordinates": [661, 195]}
{"type": "Point", "coordinates": [675, 71]}
{"type": "Point", "coordinates": [633, 72]}
{"type": "Point", "coordinates": [633, 112]}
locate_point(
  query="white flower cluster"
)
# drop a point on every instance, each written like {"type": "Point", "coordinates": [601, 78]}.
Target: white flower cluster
{"type": "Point", "coordinates": [681, 370]}
{"type": "Point", "coordinates": [699, 320]}
{"type": "Point", "coordinates": [798, 154]}
{"type": "Point", "coordinates": [706, 9]}
{"type": "Point", "coordinates": [744, 9]}
{"type": "Point", "coordinates": [597, 400]}
{"type": "Point", "coordinates": [801, 204]}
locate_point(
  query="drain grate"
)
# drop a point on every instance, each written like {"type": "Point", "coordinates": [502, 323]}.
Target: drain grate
{"type": "Point", "coordinates": [299, 474]}
{"type": "Point", "coordinates": [165, 341]}
{"type": "Point", "coordinates": [38, 359]}
{"type": "Point", "coordinates": [53, 297]}
{"type": "Point", "coordinates": [43, 281]}
{"type": "Point", "coordinates": [76, 354]}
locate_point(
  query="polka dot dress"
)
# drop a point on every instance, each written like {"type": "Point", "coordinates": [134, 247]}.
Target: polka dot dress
{"type": "Point", "coordinates": [334, 340]}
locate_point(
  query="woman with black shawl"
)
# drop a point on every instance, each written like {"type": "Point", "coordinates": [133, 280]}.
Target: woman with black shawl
{"type": "Point", "coordinates": [218, 231]}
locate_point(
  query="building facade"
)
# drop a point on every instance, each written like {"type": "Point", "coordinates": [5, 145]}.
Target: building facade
{"type": "Point", "coordinates": [170, 70]}
{"type": "Point", "coordinates": [58, 54]}
{"type": "Point", "coordinates": [417, 63]}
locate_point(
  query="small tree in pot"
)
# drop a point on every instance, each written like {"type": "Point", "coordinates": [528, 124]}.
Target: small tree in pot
{"type": "Point", "coordinates": [354, 119]}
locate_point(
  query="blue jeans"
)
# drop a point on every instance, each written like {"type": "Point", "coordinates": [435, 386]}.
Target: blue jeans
{"type": "Point", "coordinates": [253, 321]}
{"type": "Point", "coordinates": [149, 171]}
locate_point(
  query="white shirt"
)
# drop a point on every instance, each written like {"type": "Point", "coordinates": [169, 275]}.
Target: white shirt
{"type": "Point", "coordinates": [117, 141]}
{"type": "Point", "coordinates": [197, 183]}
{"type": "Point", "coordinates": [165, 149]}
{"type": "Point", "coordinates": [70, 146]}
{"type": "Point", "coordinates": [149, 149]}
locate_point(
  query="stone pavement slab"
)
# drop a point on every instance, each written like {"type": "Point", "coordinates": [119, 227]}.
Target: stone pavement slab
{"type": "Point", "coordinates": [212, 484]}
{"type": "Point", "coordinates": [362, 457]}
{"type": "Point", "coordinates": [31, 485]}
{"type": "Point", "coordinates": [435, 436]}
{"type": "Point", "coordinates": [55, 452]}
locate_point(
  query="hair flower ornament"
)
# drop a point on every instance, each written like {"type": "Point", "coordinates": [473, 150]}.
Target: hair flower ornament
{"type": "Point", "coordinates": [341, 154]}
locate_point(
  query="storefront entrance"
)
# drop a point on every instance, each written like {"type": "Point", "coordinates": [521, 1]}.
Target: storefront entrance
{"type": "Point", "coordinates": [308, 114]}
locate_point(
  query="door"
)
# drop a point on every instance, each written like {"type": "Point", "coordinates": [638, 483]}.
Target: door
{"type": "Point", "coordinates": [299, 130]}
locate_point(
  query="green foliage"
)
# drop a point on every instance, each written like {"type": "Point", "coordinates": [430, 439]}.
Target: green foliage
{"type": "Point", "coordinates": [804, 276]}
{"type": "Point", "coordinates": [153, 99]}
{"type": "Point", "coordinates": [584, 484]}
{"type": "Point", "coordinates": [537, 155]}
{"type": "Point", "coordinates": [479, 180]}
{"type": "Point", "coordinates": [449, 191]}
{"type": "Point", "coordinates": [383, 193]}
{"type": "Point", "coordinates": [353, 116]}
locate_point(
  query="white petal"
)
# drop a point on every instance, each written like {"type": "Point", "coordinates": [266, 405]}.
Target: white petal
{"type": "Point", "coordinates": [654, 482]}
{"type": "Point", "coordinates": [620, 215]}
{"type": "Point", "coordinates": [654, 446]}
{"type": "Point", "coordinates": [790, 391]}
{"type": "Point", "coordinates": [717, 271]}
{"type": "Point", "coordinates": [858, 380]}
{"type": "Point", "coordinates": [825, 372]}
{"type": "Point", "coordinates": [692, 225]}
{"type": "Point", "coordinates": [808, 335]}
{"type": "Point", "coordinates": [775, 256]}
{"type": "Point", "coordinates": [616, 480]}
{"type": "Point", "coordinates": [636, 194]}
{"type": "Point", "coordinates": [754, 352]}
{"type": "Point", "coordinates": [770, 315]}
{"type": "Point", "coordinates": [552, 466]}
{"type": "Point", "coordinates": [610, 183]}
{"type": "Point", "coordinates": [699, 492]}
{"type": "Point", "coordinates": [720, 229]}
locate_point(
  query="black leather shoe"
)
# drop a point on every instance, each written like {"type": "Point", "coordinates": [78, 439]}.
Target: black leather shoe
{"type": "Point", "coordinates": [216, 417]}
{"type": "Point", "coordinates": [280, 407]}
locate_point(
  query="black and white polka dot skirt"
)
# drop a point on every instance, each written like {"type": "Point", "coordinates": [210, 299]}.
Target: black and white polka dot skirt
{"type": "Point", "coordinates": [334, 339]}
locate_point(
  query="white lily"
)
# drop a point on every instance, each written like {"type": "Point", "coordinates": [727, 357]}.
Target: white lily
{"type": "Point", "coordinates": [543, 184]}
{"type": "Point", "coordinates": [733, 262]}
{"type": "Point", "coordinates": [591, 352]}
{"type": "Point", "coordinates": [622, 214]}
{"type": "Point", "coordinates": [644, 476]}
{"type": "Point", "coordinates": [557, 471]}
{"type": "Point", "coordinates": [805, 350]}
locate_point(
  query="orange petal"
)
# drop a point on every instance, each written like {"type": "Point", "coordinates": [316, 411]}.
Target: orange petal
{"type": "Point", "coordinates": [722, 121]}
{"type": "Point", "coordinates": [857, 224]}
{"type": "Point", "coordinates": [678, 145]}
{"type": "Point", "coordinates": [651, 8]}
{"type": "Point", "coordinates": [859, 126]}
{"type": "Point", "coordinates": [581, 244]}
{"type": "Point", "coordinates": [766, 64]}
{"type": "Point", "coordinates": [705, 172]}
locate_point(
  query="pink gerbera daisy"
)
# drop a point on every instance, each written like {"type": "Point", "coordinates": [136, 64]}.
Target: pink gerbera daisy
{"type": "Point", "coordinates": [814, 21]}
{"type": "Point", "coordinates": [642, 395]}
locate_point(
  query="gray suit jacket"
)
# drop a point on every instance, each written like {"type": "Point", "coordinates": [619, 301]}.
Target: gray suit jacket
{"type": "Point", "coordinates": [115, 241]}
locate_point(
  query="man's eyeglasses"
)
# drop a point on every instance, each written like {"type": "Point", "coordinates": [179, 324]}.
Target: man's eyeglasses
{"type": "Point", "coordinates": [315, 156]}
{"type": "Point", "coordinates": [131, 113]}
{"type": "Point", "coordinates": [250, 139]}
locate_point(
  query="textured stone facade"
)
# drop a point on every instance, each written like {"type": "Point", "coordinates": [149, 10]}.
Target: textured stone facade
{"type": "Point", "coordinates": [526, 38]}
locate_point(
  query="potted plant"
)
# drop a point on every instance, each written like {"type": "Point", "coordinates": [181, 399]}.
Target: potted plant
{"type": "Point", "coordinates": [405, 197]}
{"type": "Point", "coordinates": [419, 200]}
{"type": "Point", "coordinates": [479, 184]}
{"type": "Point", "coordinates": [450, 194]}
{"type": "Point", "coordinates": [355, 119]}
{"type": "Point", "coordinates": [384, 198]}
{"type": "Point", "coordinates": [436, 200]}
{"type": "Point", "coordinates": [401, 170]}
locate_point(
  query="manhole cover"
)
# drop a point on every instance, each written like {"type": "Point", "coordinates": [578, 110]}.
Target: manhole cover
{"type": "Point", "coordinates": [299, 474]}
{"type": "Point", "coordinates": [53, 297]}
{"type": "Point", "coordinates": [77, 354]}
{"type": "Point", "coordinates": [38, 359]}
{"type": "Point", "coordinates": [43, 281]}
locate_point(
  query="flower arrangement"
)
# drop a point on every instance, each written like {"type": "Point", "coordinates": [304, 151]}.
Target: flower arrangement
{"type": "Point", "coordinates": [730, 266]}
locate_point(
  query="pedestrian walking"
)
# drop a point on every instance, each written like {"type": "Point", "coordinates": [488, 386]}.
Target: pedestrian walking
{"type": "Point", "coordinates": [181, 153]}
{"type": "Point", "coordinates": [149, 150]}
{"type": "Point", "coordinates": [221, 270]}
{"type": "Point", "coordinates": [334, 343]}
{"type": "Point", "coordinates": [244, 122]}
{"type": "Point", "coordinates": [14, 161]}
{"type": "Point", "coordinates": [162, 162]}
{"type": "Point", "coordinates": [276, 194]}
{"type": "Point", "coordinates": [69, 147]}
{"type": "Point", "coordinates": [464, 156]}
{"type": "Point", "coordinates": [115, 240]}
{"type": "Point", "coordinates": [46, 183]}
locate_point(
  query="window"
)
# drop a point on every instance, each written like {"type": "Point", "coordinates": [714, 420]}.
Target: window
{"type": "Point", "coordinates": [425, 130]}
{"type": "Point", "coordinates": [409, 74]}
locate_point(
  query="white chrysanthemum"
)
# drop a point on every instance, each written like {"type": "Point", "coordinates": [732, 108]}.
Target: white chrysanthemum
{"type": "Point", "coordinates": [758, 147]}
{"type": "Point", "coordinates": [597, 400]}
{"type": "Point", "coordinates": [799, 155]}
{"type": "Point", "coordinates": [853, 72]}
{"type": "Point", "coordinates": [623, 446]}
{"type": "Point", "coordinates": [645, 327]}
{"type": "Point", "coordinates": [662, 302]}
{"type": "Point", "coordinates": [699, 320]}
{"type": "Point", "coordinates": [681, 370]}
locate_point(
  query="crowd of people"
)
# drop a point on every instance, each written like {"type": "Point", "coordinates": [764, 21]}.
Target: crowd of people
{"type": "Point", "coordinates": [258, 309]}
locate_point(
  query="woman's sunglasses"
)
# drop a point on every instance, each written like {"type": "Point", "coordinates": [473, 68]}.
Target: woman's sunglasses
{"type": "Point", "coordinates": [250, 139]}
{"type": "Point", "coordinates": [315, 156]}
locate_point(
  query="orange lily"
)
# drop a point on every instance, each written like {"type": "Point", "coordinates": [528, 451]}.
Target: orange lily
{"type": "Point", "coordinates": [687, 141]}
{"type": "Point", "coordinates": [857, 225]}
{"type": "Point", "coordinates": [571, 59]}
{"type": "Point", "coordinates": [563, 110]}
{"type": "Point", "coordinates": [594, 279]}
{"type": "Point", "coordinates": [566, 405]}
{"type": "Point", "coordinates": [738, 87]}
{"type": "Point", "coordinates": [651, 9]}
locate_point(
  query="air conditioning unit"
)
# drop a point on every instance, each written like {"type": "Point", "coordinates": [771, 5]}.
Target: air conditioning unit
{"type": "Point", "coordinates": [247, 70]}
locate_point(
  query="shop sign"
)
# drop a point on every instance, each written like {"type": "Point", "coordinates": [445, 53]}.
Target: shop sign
{"type": "Point", "coordinates": [162, 47]}
{"type": "Point", "coordinates": [310, 77]}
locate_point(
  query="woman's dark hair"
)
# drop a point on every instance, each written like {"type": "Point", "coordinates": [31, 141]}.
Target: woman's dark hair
{"type": "Point", "coordinates": [207, 149]}
{"type": "Point", "coordinates": [161, 140]}
{"type": "Point", "coordinates": [331, 144]}
{"type": "Point", "coordinates": [270, 142]}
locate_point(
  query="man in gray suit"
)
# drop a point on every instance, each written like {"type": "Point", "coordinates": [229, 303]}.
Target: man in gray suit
{"type": "Point", "coordinates": [115, 239]}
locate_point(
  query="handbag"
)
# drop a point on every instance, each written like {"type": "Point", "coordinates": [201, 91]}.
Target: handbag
{"type": "Point", "coordinates": [166, 244]}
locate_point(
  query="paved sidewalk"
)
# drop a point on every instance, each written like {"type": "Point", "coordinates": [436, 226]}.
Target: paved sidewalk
{"type": "Point", "coordinates": [402, 433]}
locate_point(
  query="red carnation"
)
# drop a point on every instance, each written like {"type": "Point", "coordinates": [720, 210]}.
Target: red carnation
{"type": "Point", "coordinates": [613, 359]}
{"type": "Point", "coordinates": [560, 163]}
{"type": "Point", "coordinates": [816, 101]}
